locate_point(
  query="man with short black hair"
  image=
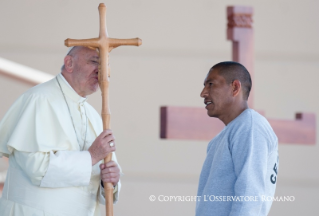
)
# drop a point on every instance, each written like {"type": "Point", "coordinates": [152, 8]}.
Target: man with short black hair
{"type": "Point", "coordinates": [241, 166]}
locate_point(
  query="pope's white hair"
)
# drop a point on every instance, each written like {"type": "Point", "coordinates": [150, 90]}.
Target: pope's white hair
{"type": "Point", "coordinates": [70, 50]}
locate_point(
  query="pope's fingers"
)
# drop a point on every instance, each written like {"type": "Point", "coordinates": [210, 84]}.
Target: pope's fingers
{"type": "Point", "coordinates": [110, 175]}
{"type": "Point", "coordinates": [111, 164]}
{"type": "Point", "coordinates": [106, 133]}
{"type": "Point", "coordinates": [110, 170]}
{"type": "Point", "coordinates": [109, 138]}
{"type": "Point", "coordinates": [108, 149]}
{"type": "Point", "coordinates": [111, 180]}
{"type": "Point", "coordinates": [102, 166]}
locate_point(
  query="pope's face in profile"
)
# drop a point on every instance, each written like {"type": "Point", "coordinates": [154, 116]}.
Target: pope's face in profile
{"type": "Point", "coordinates": [81, 70]}
{"type": "Point", "coordinates": [86, 64]}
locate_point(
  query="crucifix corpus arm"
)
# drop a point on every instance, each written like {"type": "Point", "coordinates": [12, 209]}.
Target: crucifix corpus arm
{"type": "Point", "coordinates": [105, 45]}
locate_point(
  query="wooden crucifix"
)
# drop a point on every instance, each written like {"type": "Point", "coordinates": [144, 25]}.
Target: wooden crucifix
{"type": "Point", "coordinates": [192, 123]}
{"type": "Point", "coordinates": [104, 44]}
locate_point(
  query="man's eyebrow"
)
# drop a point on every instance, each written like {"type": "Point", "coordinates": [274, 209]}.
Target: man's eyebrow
{"type": "Point", "coordinates": [95, 57]}
{"type": "Point", "coordinates": [205, 82]}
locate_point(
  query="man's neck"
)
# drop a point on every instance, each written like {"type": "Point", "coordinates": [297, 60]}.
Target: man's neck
{"type": "Point", "coordinates": [233, 113]}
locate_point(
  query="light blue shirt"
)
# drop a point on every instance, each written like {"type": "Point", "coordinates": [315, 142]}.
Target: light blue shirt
{"type": "Point", "coordinates": [239, 174]}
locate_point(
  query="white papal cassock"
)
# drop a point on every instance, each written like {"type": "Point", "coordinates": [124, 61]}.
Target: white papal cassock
{"type": "Point", "coordinates": [50, 170]}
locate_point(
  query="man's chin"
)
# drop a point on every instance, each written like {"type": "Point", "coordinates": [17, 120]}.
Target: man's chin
{"type": "Point", "coordinates": [211, 113]}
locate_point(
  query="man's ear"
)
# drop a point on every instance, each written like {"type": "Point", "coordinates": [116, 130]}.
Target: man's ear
{"type": "Point", "coordinates": [236, 88]}
{"type": "Point", "coordinates": [68, 63]}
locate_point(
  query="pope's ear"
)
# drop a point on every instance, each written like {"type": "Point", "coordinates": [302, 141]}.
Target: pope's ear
{"type": "Point", "coordinates": [68, 63]}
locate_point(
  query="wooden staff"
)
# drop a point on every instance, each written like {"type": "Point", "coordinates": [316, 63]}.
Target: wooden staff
{"type": "Point", "coordinates": [105, 45]}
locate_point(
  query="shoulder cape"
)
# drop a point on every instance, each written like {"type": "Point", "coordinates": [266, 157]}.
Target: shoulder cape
{"type": "Point", "coordinates": [39, 121]}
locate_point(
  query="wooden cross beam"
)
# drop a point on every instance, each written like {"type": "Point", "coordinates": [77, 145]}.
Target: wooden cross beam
{"type": "Point", "coordinates": [192, 123]}
{"type": "Point", "coordinates": [104, 44]}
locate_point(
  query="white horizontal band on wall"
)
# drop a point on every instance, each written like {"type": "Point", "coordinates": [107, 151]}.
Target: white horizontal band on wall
{"type": "Point", "coordinates": [23, 73]}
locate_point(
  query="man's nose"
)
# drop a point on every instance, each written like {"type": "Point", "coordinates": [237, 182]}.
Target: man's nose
{"type": "Point", "coordinates": [204, 93]}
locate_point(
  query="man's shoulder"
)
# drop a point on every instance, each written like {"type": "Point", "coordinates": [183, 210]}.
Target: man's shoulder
{"type": "Point", "coordinates": [251, 118]}
{"type": "Point", "coordinates": [253, 129]}
{"type": "Point", "coordinates": [262, 130]}
{"type": "Point", "coordinates": [261, 124]}
{"type": "Point", "coordinates": [250, 121]}
{"type": "Point", "coordinates": [243, 122]}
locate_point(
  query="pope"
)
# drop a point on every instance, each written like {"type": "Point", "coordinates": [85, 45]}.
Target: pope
{"type": "Point", "coordinates": [55, 144]}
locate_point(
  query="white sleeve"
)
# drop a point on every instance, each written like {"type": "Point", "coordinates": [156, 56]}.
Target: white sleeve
{"type": "Point", "coordinates": [34, 164]}
{"type": "Point", "coordinates": [116, 193]}
{"type": "Point", "coordinates": [62, 169]}
{"type": "Point", "coordinates": [68, 169]}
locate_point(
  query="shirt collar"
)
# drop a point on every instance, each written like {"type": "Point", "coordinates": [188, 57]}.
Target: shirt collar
{"type": "Point", "coordinates": [69, 91]}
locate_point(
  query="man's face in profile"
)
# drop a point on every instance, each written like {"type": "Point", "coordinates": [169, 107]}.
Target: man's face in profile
{"type": "Point", "coordinates": [216, 93]}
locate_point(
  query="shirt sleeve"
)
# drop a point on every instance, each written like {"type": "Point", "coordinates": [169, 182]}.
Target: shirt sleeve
{"type": "Point", "coordinates": [249, 151]}
{"type": "Point", "coordinates": [59, 169]}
